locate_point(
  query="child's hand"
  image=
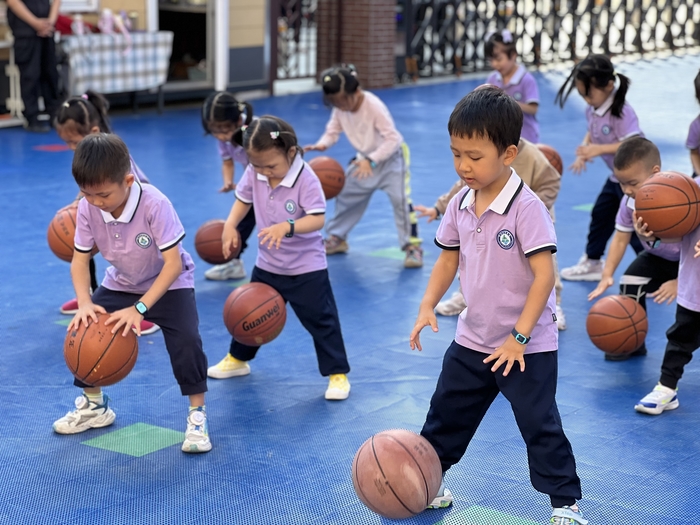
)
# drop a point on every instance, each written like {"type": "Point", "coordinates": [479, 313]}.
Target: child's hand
{"type": "Point", "coordinates": [273, 235]}
{"type": "Point", "coordinates": [228, 186]}
{"type": "Point", "coordinates": [641, 228]}
{"type": "Point", "coordinates": [127, 317]}
{"type": "Point", "coordinates": [426, 317]}
{"type": "Point", "coordinates": [87, 310]}
{"type": "Point", "coordinates": [430, 213]}
{"type": "Point", "coordinates": [605, 283]}
{"type": "Point", "coordinates": [363, 169]}
{"type": "Point", "coordinates": [667, 292]}
{"type": "Point", "coordinates": [587, 152]}
{"type": "Point", "coordinates": [697, 250]}
{"type": "Point", "coordinates": [315, 147]}
{"type": "Point", "coordinates": [578, 166]}
{"type": "Point", "coordinates": [509, 352]}
{"type": "Point", "coordinates": [229, 240]}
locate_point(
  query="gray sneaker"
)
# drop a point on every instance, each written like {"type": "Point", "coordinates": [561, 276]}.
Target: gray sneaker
{"type": "Point", "coordinates": [86, 415]}
{"type": "Point", "coordinates": [452, 306]}
{"type": "Point", "coordinates": [335, 244]}
{"type": "Point", "coordinates": [584, 270]}
{"type": "Point", "coordinates": [230, 271]}
{"type": "Point", "coordinates": [443, 499]}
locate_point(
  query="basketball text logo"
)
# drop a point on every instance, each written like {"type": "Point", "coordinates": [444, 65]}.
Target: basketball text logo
{"type": "Point", "coordinates": [505, 239]}
{"type": "Point", "coordinates": [143, 240]}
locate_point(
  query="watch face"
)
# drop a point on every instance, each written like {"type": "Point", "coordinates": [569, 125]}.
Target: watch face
{"type": "Point", "coordinates": [141, 308]}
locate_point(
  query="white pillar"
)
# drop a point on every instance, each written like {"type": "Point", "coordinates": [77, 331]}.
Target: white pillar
{"type": "Point", "coordinates": [221, 49]}
{"type": "Point", "coordinates": [152, 15]}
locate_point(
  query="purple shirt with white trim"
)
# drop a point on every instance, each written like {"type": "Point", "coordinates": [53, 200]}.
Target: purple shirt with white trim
{"type": "Point", "coordinates": [133, 242]}
{"type": "Point", "coordinates": [689, 271]}
{"type": "Point", "coordinates": [522, 87]}
{"type": "Point", "coordinates": [624, 222]}
{"type": "Point", "coordinates": [231, 151]}
{"type": "Point", "coordinates": [693, 141]}
{"type": "Point", "coordinates": [298, 194]}
{"type": "Point", "coordinates": [495, 275]}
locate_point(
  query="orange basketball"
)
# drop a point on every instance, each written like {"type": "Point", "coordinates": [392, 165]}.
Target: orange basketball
{"type": "Point", "coordinates": [254, 314]}
{"type": "Point", "coordinates": [207, 242]}
{"type": "Point", "coordinates": [330, 173]}
{"type": "Point", "coordinates": [617, 324]}
{"type": "Point", "coordinates": [96, 356]}
{"type": "Point", "coordinates": [61, 233]}
{"type": "Point", "coordinates": [552, 156]}
{"type": "Point", "coordinates": [669, 202]}
{"type": "Point", "coordinates": [396, 474]}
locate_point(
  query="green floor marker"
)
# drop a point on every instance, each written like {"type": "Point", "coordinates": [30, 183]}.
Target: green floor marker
{"type": "Point", "coordinates": [137, 440]}
{"type": "Point", "coordinates": [482, 516]}
{"type": "Point", "coordinates": [583, 207]}
{"type": "Point", "coordinates": [64, 322]}
{"type": "Point", "coordinates": [389, 253]}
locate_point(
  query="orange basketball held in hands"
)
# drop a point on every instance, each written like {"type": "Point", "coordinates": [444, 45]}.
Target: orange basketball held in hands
{"type": "Point", "coordinates": [330, 173]}
{"type": "Point", "coordinates": [669, 203]}
{"type": "Point", "coordinates": [617, 324]}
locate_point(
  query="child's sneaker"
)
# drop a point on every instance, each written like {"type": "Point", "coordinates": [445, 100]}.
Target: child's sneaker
{"type": "Point", "coordinates": [148, 328]}
{"type": "Point", "coordinates": [452, 306]}
{"type": "Point", "coordinates": [87, 415]}
{"type": "Point", "coordinates": [443, 499]}
{"type": "Point", "coordinates": [335, 244]}
{"type": "Point", "coordinates": [414, 257]}
{"type": "Point", "coordinates": [232, 270]}
{"type": "Point", "coordinates": [561, 319]}
{"type": "Point", "coordinates": [229, 366]}
{"type": "Point", "coordinates": [660, 399]}
{"type": "Point", "coordinates": [338, 387]}
{"type": "Point", "coordinates": [197, 433]}
{"type": "Point", "coordinates": [70, 307]}
{"type": "Point", "coordinates": [585, 270]}
{"type": "Point", "coordinates": [567, 516]}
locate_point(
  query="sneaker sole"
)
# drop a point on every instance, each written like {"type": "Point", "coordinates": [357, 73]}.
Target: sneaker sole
{"type": "Point", "coordinates": [68, 312]}
{"type": "Point", "coordinates": [656, 411]}
{"type": "Point", "coordinates": [78, 430]}
{"type": "Point", "coordinates": [412, 265]}
{"type": "Point", "coordinates": [216, 374]}
{"type": "Point", "coordinates": [196, 448]}
{"type": "Point", "coordinates": [150, 330]}
{"type": "Point", "coordinates": [590, 277]}
{"type": "Point", "coordinates": [236, 277]}
{"type": "Point", "coordinates": [336, 396]}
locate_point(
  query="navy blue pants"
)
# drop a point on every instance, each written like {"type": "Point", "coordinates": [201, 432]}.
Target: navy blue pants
{"type": "Point", "coordinates": [311, 297]}
{"type": "Point", "coordinates": [683, 340]}
{"type": "Point", "coordinates": [38, 74]}
{"type": "Point", "coordinates": [245, 228]}
{"type": "Point", "coordinates": [602, 223]}
{"type": "Point", "coordinates": [465, 390]}
{"type": "Point", "coordinates": [176, 314]}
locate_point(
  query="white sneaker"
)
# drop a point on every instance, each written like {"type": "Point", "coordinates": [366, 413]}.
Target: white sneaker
{"type": "Point", "coordinates": [452, 306]}
{"type": "Point", "coordinates": [86, 415]}
{"type": "Point", "coordinates": [561, 319]}
{"type": "Point", "coordinates": [585, 270]}
{"type": "Point", "coordinates": [443, 499]}
{"type": "Point", "coordinates": [660, 399]}
{"type": "Point", "coordinates": [567, 516]}
{"type": "Point", "coordinates": [229, 366]}
{"type": "Point", "coordinates": [232, 270]}
{"type": "Point", "coordinates": [197, 433]}
{"type": "Point", "coordinates": [338, 387]}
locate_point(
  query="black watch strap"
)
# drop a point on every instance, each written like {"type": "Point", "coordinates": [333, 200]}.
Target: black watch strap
{"type": "Point", "coordinates": [520, 338]}
{"type": "Point", "coordinates": [140, 307]}
{"type": "Point", "coordinates": [291, 228]}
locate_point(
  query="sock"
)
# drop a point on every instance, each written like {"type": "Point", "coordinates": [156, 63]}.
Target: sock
{"type": "Point", "coordinates": [574, 507]}
{"type": "Point", "coordinates": [203, 408]}
{"type": "Point", "coordinates": [98, 398]}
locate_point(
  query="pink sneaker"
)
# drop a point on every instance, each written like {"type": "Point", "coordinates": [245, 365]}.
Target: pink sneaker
{"type": "Point", "coordinates": [148, 328]}
{"type": "Point", "coordinates": [70, 307]}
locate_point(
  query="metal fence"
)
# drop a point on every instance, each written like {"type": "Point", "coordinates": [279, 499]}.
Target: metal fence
{"type": "Point", "coordinates": [293, 25]}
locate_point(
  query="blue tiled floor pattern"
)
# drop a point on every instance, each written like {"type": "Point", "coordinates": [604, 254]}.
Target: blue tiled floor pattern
{"type": "Point", "coordinates": [282, 453]}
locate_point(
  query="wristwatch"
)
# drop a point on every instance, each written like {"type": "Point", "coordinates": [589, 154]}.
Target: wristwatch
{"type": "Point", "coordinates": [372, 164]}
{"type": "Point", "coordinates": [655, 243]}
{"type": "Point", "coordinates": [520, 338]}
{"type": "Point", "coordinates": [140, 307]}
{"type": "Point", "coordinates": [291, 228]}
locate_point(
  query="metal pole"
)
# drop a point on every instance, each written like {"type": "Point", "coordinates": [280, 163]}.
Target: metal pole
{"type": "Point", "coordinates": [221, 46]}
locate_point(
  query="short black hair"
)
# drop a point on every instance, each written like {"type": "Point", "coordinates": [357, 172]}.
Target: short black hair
{"type": "Point", "coordinates": [339, 79]}
{"type": "Point", "coordinates": [222, 107]}
{"type": "Point", "coordinates": [87, 111]}
{"type": "Point", "coordinates": [637, 149]}
{"type": "Point", "coordinates": [488, 112]}
{"type": "Point", "coordinates": [270, 132]}
{"type": "Point", "coordinates": [696, 82]}
{"type": "Point", "coordinates": [100, 158]}
{"type": "Point", "coordinates": [502, 38]}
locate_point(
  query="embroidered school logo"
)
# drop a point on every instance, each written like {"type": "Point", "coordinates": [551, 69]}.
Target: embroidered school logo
{"type": "Point", "coordinates": [143, 240]}
{"type": "Point", "coordinates": [505, 239]}
{"type": "Point", "coordinates": [606, 130]}
{"type": "Point", "coordinates": [290, 206]}
{"type": "Point", "coordinates": [517, 95]}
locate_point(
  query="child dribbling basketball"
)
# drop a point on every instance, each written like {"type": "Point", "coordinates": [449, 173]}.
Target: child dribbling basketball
{"type": "Point", "coordinates": [137, 230]}
{"type": "Point", "coordinates": [223, 116]}
{"type": "Point", "coordinates": [500, 235]}
{"type": "Point", "coordinates": [290, 211]}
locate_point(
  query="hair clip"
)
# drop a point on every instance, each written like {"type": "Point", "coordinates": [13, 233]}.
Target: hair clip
{"type": "Point", "coordinates": [327, 78]}
{"type": "Point", "coordinates": [84, 96]}
{"type": "Point", "coordinates": [241, 107]}
{"type": "Point", "coordinates": [274, 135]}
{"type": "Point", "coordinates": [244, 127]}
{"type": "Point", "coordinates": [507, 36]}
{"type": "Point", "coordinates": [66, 104]}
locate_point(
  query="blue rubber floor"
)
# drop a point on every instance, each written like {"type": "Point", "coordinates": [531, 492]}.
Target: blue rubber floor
{"type": "Point", "coordinates": [282, 453]}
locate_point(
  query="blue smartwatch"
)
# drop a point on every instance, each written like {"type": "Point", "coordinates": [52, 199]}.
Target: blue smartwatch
{"type": "Point", "coordinates": [520, 338]}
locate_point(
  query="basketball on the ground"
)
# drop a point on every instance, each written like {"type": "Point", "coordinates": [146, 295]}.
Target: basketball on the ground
{"type": "Point", "coordinates": [396, 473]}
{"type": "Point", "coordinates": [61, 233]}
{"type": "Point", "coordinates": [552, 156]}
{"type": "Point", "coordinates": [330, 173]}
{"type": "Point", "coordinates": [669, 202]}
{"type": "Point", "coordinates": [254, 314]}
{"type": "Point", "coordinates": [96, 356]}
{"type": "Point", "coordinates": [617, 324]}
{"type": "Point", "coordinates": [207, 243]}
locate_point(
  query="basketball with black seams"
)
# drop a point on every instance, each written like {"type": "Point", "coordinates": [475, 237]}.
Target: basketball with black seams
{"type": "Point", "coordinates": [61, 233]}
{"type": "Point", "coordinates": [330, 173]}
{"type": "Point", "coordinates": [552, 156]}
{"type": "Point", "coordinates": [254, 314]}
{"type": "Point", "coordinates": [617, 324]}
{"type": "Point", "coordinates": [396, 474]}
{"type": "Point", "coordinates": [96, 356]}
{"type": "Point", "coordinates": [669, 203]}
{"type": "Point", "coordinates": [207, 243]}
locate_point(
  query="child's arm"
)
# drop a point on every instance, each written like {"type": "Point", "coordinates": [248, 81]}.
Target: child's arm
{"type": "Point", "coordinates": [273, 235]}
{"type": "Point", "coordinates": [440, 280]}
{"type": "Point", "coordinates": [440, 205]}
{"type": "Point", "coordinates": [330, 136]}
{"type": "Point", "coordinates": [695, 160]}
{"type": "Point", "coordinates": [615, 254]}
{"type": "Point", "coordinates": [229, 239]}
{"type": "Point", "coordinates": [53, 14]}
{"type": "Point", "coordinates": [80, 274]}
{"type": "Point", "coordinates": [227, 171]}
{"type": "Point", "coordinates": [595, 150]}
{"type": "Point", "coordinates": [510, 351]}
{"type": "Point", "coordinates": [579, 164]}
{"type": "Point", "coordinates": [667, 292]}
{"type": "Point", "coordinates": [41, 25]}
{"type": "Point", "coordinates": [530, 109]}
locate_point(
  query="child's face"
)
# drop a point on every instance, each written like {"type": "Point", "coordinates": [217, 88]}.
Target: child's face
{"type": "Point", "coordinates": [596, 96]}
{"type": "Point", "coordinates": [110, 197]}
{"type": "Point", "coordinates": [633, 176]}
{"type": "Point", "coordinates": [273, 163]}
{"type": "Point", "coordinates": [344, 101]}
{"type": "Point", "coordinates": [224, 131]}
{"type": "Point", "coordinates": [501, 62]}
{"type": "Point", "coordinates": [68, 131]}
{"type": "Point", "coordinates": [477, 161]}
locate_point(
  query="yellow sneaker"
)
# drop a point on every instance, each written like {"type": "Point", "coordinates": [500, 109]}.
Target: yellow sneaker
{"type": "Point", "coordinates": [229, 366]}
{"type": "Point", "coordinates": [338, 387]}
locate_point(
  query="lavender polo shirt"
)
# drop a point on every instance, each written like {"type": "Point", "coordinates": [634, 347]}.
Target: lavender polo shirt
{"type": "Point", "coordinates": [693, 141]}
{"type": "Point", "coordinates": [133, 242]}
{"type": "Point", "coordinates": [604, 128]}
{"type": "Point", "coordinates": [495, 274]}
{"type": "Point", "coordinates": [228, 150]}
{"type": "Point", "coordinates": [624, 222]}
{"type": "Point", "coordinates": [689, 273]}
{"type": "Point", "coordinates": [140, 175]}
{"type": "Point", "coordinates": [522, 87]}
{"type": "Point", "coordinates": [298, 194]}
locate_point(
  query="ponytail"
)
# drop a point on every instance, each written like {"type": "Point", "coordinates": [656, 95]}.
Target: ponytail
{"type": "Point", "coordinates": [339, 79]}
{"type": "Point", "coordinates": [619, 99]}
{"type": "Point", "coordinates": [87, 111]}
{"type": "Point", "coordinates": [223, 108]}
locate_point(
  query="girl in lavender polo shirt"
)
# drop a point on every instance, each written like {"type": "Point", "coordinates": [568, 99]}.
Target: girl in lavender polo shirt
{"type": "Point", "coordinates": [223, 116]}
{"type": "Point", "coordinates": [290, 211]}
{"type": "Point", "coordinates": [611, 120]}
{"type": "Point", "coordinates": [693, 141]}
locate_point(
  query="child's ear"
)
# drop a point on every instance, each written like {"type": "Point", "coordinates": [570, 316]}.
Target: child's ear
{"type": "Point", "coordinates": [94, 129]}
{"type": "Point", "coordinates": [129, 179]}
{"type": "Point", "coordinates": [510, 154]}
{"type": "Point", "coordinates": [656, 169]}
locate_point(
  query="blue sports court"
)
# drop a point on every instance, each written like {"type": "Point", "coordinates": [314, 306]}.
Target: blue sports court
{"type": "Point", "coordinates": [282, 454]}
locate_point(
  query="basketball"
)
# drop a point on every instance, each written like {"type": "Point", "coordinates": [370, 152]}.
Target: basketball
{"type": "Point", "coordinates": [552, 156]}
{"type": "Point", "coordinates": [330, 173]}
{"type": "Point", "coordinates": [617, 324]}
{"type": "Point", "coordinates": [396, 473]}
{"type": "Point", "coordinates": [96, 356]}
{"type": "Point", "coordinates": [254, 314]}
{"type": "Point", "coordinates": [61, 233]}
{"type": "Point", "coordinates": [669, 202]}
{"type": "Point", "coordinates": [207, 242]}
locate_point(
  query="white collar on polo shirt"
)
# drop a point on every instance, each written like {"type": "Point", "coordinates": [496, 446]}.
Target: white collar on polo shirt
{"type": "Point", "coordinates": [501, 204]}
{"type": "Point", "coordinates": [630, 203]}
{"type": "Point", "coordinates": [292, 175]}
{"type": "Point", "coordinates": [605, 106]}
{"type": "Point", "coordinates": [518, 75]}
{"type": "Point", "coordinates": [132, 202]}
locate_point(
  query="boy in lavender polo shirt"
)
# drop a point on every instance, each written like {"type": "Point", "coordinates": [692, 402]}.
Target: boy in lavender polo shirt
{"type": "Point", "coordinates": [693, 140]}
{"type": "Point", "coordinates": [498, 231]}
{"type": "Point", "coordinates": [138, 231]}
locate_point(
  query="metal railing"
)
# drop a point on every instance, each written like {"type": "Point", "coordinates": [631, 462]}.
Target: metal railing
{"type": "Point", "coordinates": [294, 39]}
